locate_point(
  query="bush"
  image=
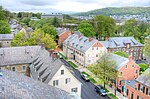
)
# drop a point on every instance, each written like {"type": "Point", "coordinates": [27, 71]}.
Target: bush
{"type": "Point", "coordinates": [112, 96]}
{"type": "Point", "coordinates": [64, 57]}
{"type": "Point", "coordinates": [123, 54]}
{"type": "Point", "coordinates": [143, 67]}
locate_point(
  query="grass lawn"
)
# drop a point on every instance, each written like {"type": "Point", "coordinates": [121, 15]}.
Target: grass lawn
{"type": "Point", "coordinates": [112, 96]}
{"type": "Point", "coordinates": [64, 57]}
{"type": "Point", "coordinates": [72, 64]}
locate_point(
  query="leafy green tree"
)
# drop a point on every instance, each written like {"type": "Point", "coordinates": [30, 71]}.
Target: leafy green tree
{"type": "Point", "coordinates": [56, 22]}
{"type": "Point", "coordinates": [143, 67]}
{"type": "Point", "coordinates": [2, 14]}
{"type": "Point", "coordinates": [104, 68]}
{"type": "Point", "coordinates": [49, 30]}
{"type": "Point", "coordinates": [26, 20]}
{"type": "Point", "coordinates": [35, 38]}
{"type": "Point", "coordinates": [104, 26]}
{"type": "Point", "coordinates": [4, 27]}
{"type": "Point", "coordinates": [147, 48]}
{"type": "Point", "coordinates": [87, 29]}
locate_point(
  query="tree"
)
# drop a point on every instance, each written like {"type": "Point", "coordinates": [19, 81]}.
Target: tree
{"type": "Point", "coordinates": [35, 38]}
{"type": "Point", "coordinates": [104, 68]}
{"type": "Point", "coordinates": [147, 47]}
{"type": "Point", "coordinates": [123, 54]}
{"type": "Point", "coordinates": [49, 30]}
{"type": "Point", "coordinates": [87, 29]}
{"type": "Point", "coordinates": [4, 27]}
{"type": "Point", "coordinates": [143, 67]}
{"type": "Point", "coordinates": [26, 20]}
{"type": "Point", "coordinates": [104, 26]}
{"type": "Point", "coordinates": [56, 22]}
{"type": "Point", "coordinates": [2, 14]}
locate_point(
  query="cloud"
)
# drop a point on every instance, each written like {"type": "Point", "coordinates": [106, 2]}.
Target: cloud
{"type": "Point", "coordinates": [67, 5]}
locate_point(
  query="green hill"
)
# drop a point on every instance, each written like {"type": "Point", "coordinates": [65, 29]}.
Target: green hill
{"type": "Point", "coordinates": [116, 11]}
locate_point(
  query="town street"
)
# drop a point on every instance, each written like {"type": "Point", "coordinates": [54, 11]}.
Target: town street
{"type": "Point", "coordinates": [87, 90]}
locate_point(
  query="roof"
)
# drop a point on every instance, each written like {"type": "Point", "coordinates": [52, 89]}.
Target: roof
{"type": "Point", "coordinates": [147, 37]}
{"type": "Point", "coordinates": [120, 61]}
{"type": "Point", "coordinates": [60, 30]}
{"type": "Point", "coordinates": [18, 55]}
{"type": "Point", "coordinates": [120, 42]}
{"type": "Point", "coordinates": [144, 78]}
{"type": "Point", "coordinates": [6, 37]}
{"type": "Point", "coordinates": [18, 86]}
{"type": "Point", "coordinates": [79, 42]}
{"type": "Point", "coordinates": [131, 83]}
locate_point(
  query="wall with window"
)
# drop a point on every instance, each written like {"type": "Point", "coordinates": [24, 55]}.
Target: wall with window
{"type": "Point", "coordinates": [64, 80]}
{"type": "Point", "coordinates": [5, 43]}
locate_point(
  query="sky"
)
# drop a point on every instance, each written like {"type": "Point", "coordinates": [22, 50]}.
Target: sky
{"type": "Point", "coordinates": [47, 6]}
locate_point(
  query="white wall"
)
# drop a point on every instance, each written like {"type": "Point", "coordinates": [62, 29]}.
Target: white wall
{"type": "Point", "coordinates": [74, 83]}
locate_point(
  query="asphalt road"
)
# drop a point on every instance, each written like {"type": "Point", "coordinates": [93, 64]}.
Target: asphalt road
{"type": "Point", "coordinates": [87, 89]}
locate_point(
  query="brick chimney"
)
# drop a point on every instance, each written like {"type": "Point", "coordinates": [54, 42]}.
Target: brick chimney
{"type": "Point", "coordinates": [130, 58]}
{"type": "Point", "coordinates": [90, 39]}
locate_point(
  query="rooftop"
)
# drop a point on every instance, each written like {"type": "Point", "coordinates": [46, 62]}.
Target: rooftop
{"type": "Point", "coordinates": [14, 85]}
{"type": "Point", "coordinates": [131, 83]}
{"type": "Point", "coordinates": [6, 37]}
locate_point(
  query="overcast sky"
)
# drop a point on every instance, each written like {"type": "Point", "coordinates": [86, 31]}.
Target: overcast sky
{"type": "Point", "coordinates": [67, 5]}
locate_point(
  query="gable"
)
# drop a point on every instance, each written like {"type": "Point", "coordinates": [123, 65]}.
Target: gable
{"type": "Point", "coordinates": [97, 44]}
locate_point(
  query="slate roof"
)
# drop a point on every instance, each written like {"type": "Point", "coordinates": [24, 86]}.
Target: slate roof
{"type": "Point", "coordinates": [14, 85]}
{"type": "Point", "coordinates": [120, 42]}
{"type": "Point", "coordinates": [60, 30]}
{"type": "Point", "coordinates": [147, 37]}
{"type": "Point", "coordinates": [17, 55]}
{"type": "Point", "coordinates": [120, 61]}
{"type": "Point", "coordinates": [6, 37]}
{"type": "Point", "coordinates": [131, 83]}
{"type": "Point", "coordinates": [79, 42]}
{"type": "Point", "coordinates": [145, 78]}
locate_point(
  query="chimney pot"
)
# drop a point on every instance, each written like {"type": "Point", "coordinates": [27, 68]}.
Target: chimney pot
{"type": "Point", "coordinates": [130, 58]}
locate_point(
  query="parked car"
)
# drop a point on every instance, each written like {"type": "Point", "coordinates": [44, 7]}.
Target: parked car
{"type": "Point", "coordinates": [85, 77]}
{"type": "Point", "coordinates": [100, 90]}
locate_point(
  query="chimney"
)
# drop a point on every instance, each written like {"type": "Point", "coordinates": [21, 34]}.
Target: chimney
{"type": "Point", "coordinates": [130, 58]}
{"type": "Point", "coordinates": [107, 38]}
{"type": "Point", "coordinates": [90, 39]}
{"type": "Point", "coordinates": [41, 45]}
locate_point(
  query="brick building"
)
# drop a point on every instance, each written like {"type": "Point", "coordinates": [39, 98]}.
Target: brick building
{"type": "Point", "coordinates": [138, 88]}
{"type": "Point", "coordinates": [125, 44]}
{"type": "Point", "coordinates": [62, 34]}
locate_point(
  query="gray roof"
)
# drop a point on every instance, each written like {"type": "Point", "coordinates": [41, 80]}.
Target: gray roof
{"type": "Point", "coordinates": [131, 83]}
{"type": "Point", "coordinates": [18, 55]}
{"type": "Point", "coordinates": [120, 42]}
{"type": "Point", "coordinates": [120, 61]}
{"type": "Point", "coordinates": [6, 37]}
{"type": "Point", "coordinates": [147, 37]}
{"type": "Point", "coordinates": [145, 78]}
{"type": "Point", "coordinates": [79, 42]}
{"type": "Point", "coordinates": [60, 30]}
{"type": "Point", "coordinates": [14, 85]}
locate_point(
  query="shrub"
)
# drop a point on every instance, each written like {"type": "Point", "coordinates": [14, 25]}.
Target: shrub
{"type": "Point", "coordinates": [123, 54]}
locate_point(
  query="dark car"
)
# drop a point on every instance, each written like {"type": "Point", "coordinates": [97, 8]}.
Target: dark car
{"type": "Point", "coordinates": [100, 90]}
{"type": "Point", "coordinates": [85, 77]}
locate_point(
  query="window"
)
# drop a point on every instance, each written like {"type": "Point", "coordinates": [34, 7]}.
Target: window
{"type": "Point", "coordinates": [139, 87]}
{"type": "Point", "coordinates": [13, 69]}
{"type": "Point", "coordinates": [74, 89]}
{"type": "Point", "coordinates": [146, 91]}
{"type": "Point", "coordinates": [136, 72]}
{"type": "Point", "coordinates": [143, 89]}
{"type": "Point", "coordinates": [126, 66]}
{"type": "Point", "coordinates": [137, 97]}
{"type": "Point", "coordinates": [132, 95]}
{"type": "Point", "coordinates": [62, 72]}
{"type": "Point", "coordinates": [132, 65]}
{"type": "Point", "coordinates": [120, 73]}
{"type": "Point", "coordinates": [67, 80]}
{"type": "Point", "coordinates": [97, 48]}
{"type": "Point", "coordinates": [23, 67]}
{"type": "Point", "coordinates": [96, 55]}
{"type": "Point", "coordinates": [55, 83]}
{"type": "Point", "coordinates": [127, 92]}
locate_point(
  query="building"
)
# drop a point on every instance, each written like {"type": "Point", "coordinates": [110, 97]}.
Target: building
{"type": "Point", "coordinates": [83, 50]}
{"type": "Point", "coordinates": [138, 88]}
{"type": "Point", "coordinates": [5, 40]}
{"type": "Point", "coordinates": [125, 44]}
{"type": "Point", "coordinates": [62, 34]}
{"type": "Point", "coordinates": [53, 15]}
{"type": "Point", "coordinates": [127, 69]}
{"type": "Point", "coordinates": [36, 62]}
{"type": "Point", "coordinates": [14, 85]}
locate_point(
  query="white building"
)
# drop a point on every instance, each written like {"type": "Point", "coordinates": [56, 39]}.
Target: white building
{"type": "Point", "coordinates": [82, 50]}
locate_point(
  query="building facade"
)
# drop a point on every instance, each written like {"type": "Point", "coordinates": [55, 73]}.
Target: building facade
{"type": "Point", "coordinates": [53, 15]}
{"type": "Point", "coordinates": [83, 50]}
{"type": "Point", "coordinates": [138, 88]}
{"type": "Point", "coordinates": [124, 44]}
{"type": "Point", "coordinates": [5, 40]}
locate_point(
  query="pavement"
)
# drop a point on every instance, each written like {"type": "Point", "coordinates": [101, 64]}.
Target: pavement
{"type": "Point", "coordinates": [87, 89]}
